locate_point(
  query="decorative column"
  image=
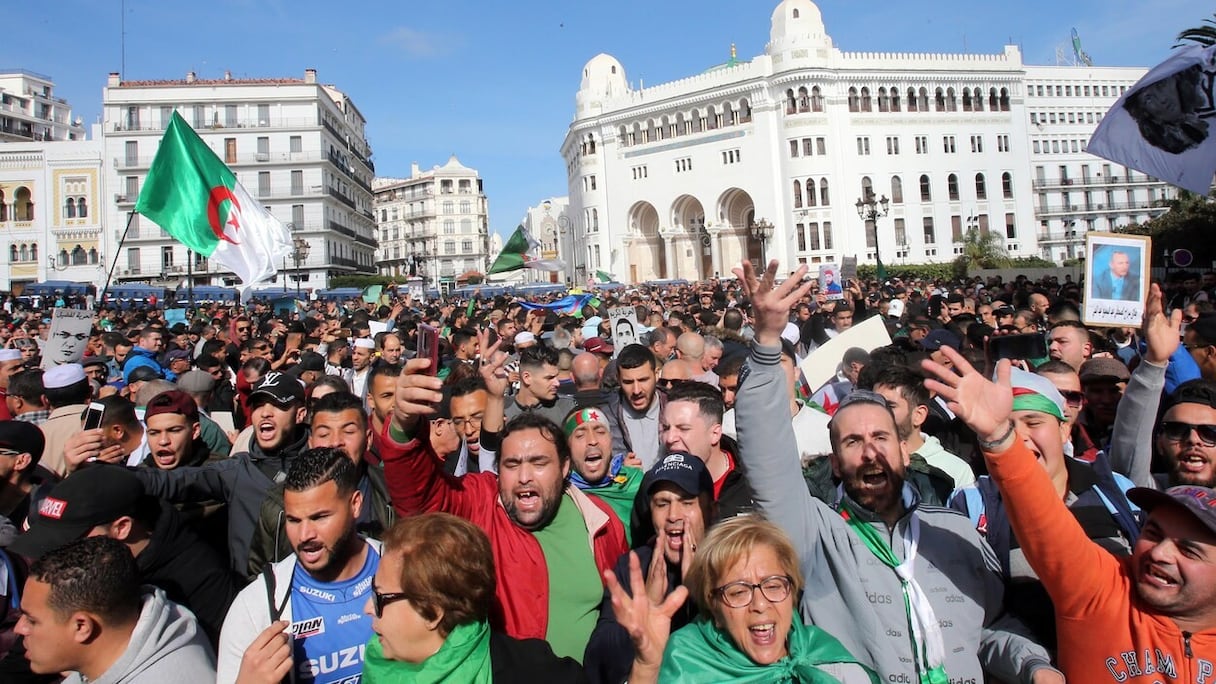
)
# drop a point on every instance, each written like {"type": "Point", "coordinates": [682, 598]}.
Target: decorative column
{"type": "Point", "coordinates": [715, 248]}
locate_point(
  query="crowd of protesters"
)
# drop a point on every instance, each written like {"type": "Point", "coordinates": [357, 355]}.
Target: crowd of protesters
{"type": "Point", "coordinates": [261, 496]}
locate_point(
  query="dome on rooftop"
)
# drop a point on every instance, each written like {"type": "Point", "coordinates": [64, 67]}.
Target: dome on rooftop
{"type": "Point", "coordinates": [797, 24]}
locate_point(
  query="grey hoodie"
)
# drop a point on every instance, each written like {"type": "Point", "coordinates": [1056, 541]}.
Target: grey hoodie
{"type": "Point", "coordinates": [166, 646]}
{"type": "Point", "coordinates": [851, 594]}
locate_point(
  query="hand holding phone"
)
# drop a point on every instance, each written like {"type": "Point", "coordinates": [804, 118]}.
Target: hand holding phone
{"type": "Point", "coordinates": [428, 347]}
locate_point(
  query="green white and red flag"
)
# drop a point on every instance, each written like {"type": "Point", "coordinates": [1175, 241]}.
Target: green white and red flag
{"type": "Point", "coordinates": [520, 252]}
{"type": "Point", "coordinates": [195, 198]}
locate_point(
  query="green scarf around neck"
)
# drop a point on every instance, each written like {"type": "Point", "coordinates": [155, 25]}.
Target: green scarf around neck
{"type": "Point", "coordinates": [700, 652]}
{"type": "Point", "coordinates": [464, 658]}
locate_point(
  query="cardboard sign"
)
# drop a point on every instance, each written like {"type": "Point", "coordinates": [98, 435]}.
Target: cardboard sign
{"type": "Point", "coordinates": [821, 365]}
{"type": "Point", "coordinates": [830, 282]}
{"type": "Point", "coordinates": [624, 327]}
{"type": "Point", "coordinates": [848, 268]}
{"type": "Point", "coordinates": [68, 337]}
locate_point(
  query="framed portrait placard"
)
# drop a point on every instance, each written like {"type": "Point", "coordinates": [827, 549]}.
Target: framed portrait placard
{"type": "Point", "coordinates": [1116, 279]}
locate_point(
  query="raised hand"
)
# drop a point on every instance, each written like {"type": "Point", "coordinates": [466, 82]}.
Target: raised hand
{"type": "Point", "coordinates": [1161, 333]}
{"type": "Point", "coordinates": [492, 362]}
{"type": "Point", "coordinates": [771, 304]}
{"type": "Point", "coordinates": [417, 395]}
{"type": "Point", "coordinates": [648, 623]}
{"type": "Point", "coordinates": [656, 574]}
{"type": "Point", "coordinates": [985, 406]}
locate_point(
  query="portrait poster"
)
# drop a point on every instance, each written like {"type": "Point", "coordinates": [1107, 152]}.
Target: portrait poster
{"type": "Point", "coordinates": [1116, 279]}
{"type": "Point", "coordinates": [624, 327]}
{"type": "Point", "coordinates": [68, 338]}
{"type": "Point", "coordinates": [830, 282]}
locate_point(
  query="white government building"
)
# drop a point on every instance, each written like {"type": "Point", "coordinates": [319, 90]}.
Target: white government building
{"type": "Point", "coordinates": [296, 144]}
{"type": "Point", "coordinates": [681, 179]}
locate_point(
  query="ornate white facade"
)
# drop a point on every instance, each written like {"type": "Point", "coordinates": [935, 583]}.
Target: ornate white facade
{"type": "Point", "coordinates": [433, 224]}
{"type": "Point", "coordinates": [296, 144]}
{"type": "Point", "coordinates": [30, 111]}
{"type": "Point", "coordinates": [668, 181]}
{"type": "Point", "coordinates": [549, 224]}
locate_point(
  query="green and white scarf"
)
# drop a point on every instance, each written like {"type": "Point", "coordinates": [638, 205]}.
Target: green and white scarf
{"type": "Point", "coordinates": [463, 658]}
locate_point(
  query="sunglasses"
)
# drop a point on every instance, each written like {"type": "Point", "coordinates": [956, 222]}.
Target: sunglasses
{"type": "Point", "coordinates": [379, 601]}
{"type": "Point", "coordinates": [1073, 397]}
{"type": "Point", "coordinates": [1177, 431]}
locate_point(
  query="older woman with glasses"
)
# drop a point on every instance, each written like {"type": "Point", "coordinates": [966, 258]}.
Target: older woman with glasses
{"type": "Point", "coordinates": [745, 581]}
{"type": "Point", "coordinates": [430, 606]}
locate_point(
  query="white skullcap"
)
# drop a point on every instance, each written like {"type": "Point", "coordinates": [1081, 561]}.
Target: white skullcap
{"type": "Point", "coordinates": [524, 337]}
{"type": "Point", "coordinates": [896, 308]}
{"type": "Point", "coordinates": [10, 355]}
{"type": "Point", "coordinates": [63, 376]}
{"type": "Point", "coordinates": [365, 343]}
{"type": "Point", "coordinates": [791, 333]}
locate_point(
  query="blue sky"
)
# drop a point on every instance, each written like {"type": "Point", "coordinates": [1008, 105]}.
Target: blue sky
{"type": "Point", "coordinates": [494, 82]}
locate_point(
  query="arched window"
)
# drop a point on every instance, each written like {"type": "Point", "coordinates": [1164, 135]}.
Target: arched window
{"type": "Point", "coordinates": [25, 253]}
{"type": "Point", "coordinates": [811, 199]}
{"type": "Point", "coordinates": [63, 257]}
{"type": "Point", "coordinates": [651, 133]}
{"type": "Point", "coordinates": [664, 129]}
{"type": "Point", "coordinates": [713, 117]}
{"type": "Point", "coordinates": [951, 100]}
{"type": "Point", "coordinates": [595, 219]}
{"type": "Point", "coordinates": [794, 14]}
{"type": "Point", "coordinates": [978, 100]}
{"type": "Point", "coordinates": [912, 100]}
{"type": "Point", "coordinates": [797, 195]}
{"type": "Point", "coordinates": [34, 252]}
{"type": "Point", "coordinates": [698, 122]}
{"type": "Point", "coordinates": [745, 111]}
{"type": "Point", "coordinates": [791, 103]}
{"type": "Point", "coordinates": [816, 99]}
{"type": "Point", "coordinates": [92, 255]}
{"type": "Point", "coordinates": [993, 103]}
{"type": "Point", "coordinates": [69, 208]}
{"type": "Point", "coordinates": [867, 187]}
{"type": "Point", "coordinates": [981, 187]}
{"type": "Point", "coordinates": [865, 100]}
{"type": "Point", "coordinates": [729, 116]}
{"type": "Point", "coordinates": [82, 209]}
{"type": "Point", "coordinates": [804, 100]}
{"type": "Point", "coordinates": [590, 143]}
{"type": "Point", "coordinates": [924, 99]}
{"type": "Point", "coordinates": [1004, 101]}
{"type": "Point", "coordinates": [635, 137]}
{"type": "Point", "coordinates": [884, 104]}
{"type": "Point", "coordinates": [895, 99]}
{"type": "Point", "coordinates": [939, 101]}
{"type": "Point", "coordinates": [952, 187]}
{"type": "Point", "coordinates": [926, 192]}
{"type": "Point", "coordinates": [622, 137]}
{"type": "Point", "coordinates": [12, 253]}
{"type": "Point", "coordinates": [966, 100]}
{"type": "Point", "coordinates": [23, 207]}
{"type": "Point", "coordinates": [681, 124]}
{"type": "Point", "coordinates": [824, 199]}
{"type": "Point", "coordinates": [79, 256]}
{"type": "Point", "coordinates": [854, 101]}
{"type": "Point", "coordinates": [1007, 185]}
{"type": "Point", "coordinates": [897, 190]}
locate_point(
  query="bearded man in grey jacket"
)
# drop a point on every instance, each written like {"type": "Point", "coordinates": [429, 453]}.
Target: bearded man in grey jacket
{"type": "Point", "coordinates": [910, 589]}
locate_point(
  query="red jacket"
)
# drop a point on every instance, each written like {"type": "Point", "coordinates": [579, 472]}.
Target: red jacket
{"type": "Point", "coordinates": [417, 484]}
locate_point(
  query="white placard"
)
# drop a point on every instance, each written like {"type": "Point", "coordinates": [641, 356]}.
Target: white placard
{"type": "Point", "coordinates": [1116, 278]}
{"type": "Point", "coordinates": [821, 365]}
{"type": "Point", "coordinates": [68, 338]}
{"type": "Point", "coordinates": [829, 282]}
{"type": "Point", "coordinates": [624, 327]}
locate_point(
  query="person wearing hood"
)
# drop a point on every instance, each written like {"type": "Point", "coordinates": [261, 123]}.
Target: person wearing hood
{"type": "Point", "coordinates": [260, 457]}
{"type": "Point", "coordinates": [109, 500]}
{"type": "Point", "coordinates": [84, 613]}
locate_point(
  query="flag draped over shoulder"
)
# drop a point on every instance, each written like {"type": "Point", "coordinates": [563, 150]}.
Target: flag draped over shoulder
{"type": "Point", "coordinates": [1162, 125]}
{"type": "Point", "coordinates": [519, 253]}
{"type": "Point", "coordinates": [566, 306]}
{"type": "Point", "coordinates": [195, 198]}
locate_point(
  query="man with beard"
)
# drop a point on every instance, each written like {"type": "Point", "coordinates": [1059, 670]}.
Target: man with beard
{"type": "Point", "coordinates": [634, 410]}
{"type": "Point", "coordinates": [678, 503]}
{"type": "Point", "coordinates": [930, 613]}
{"type": "Point", "coordinates": [595, 469]}
{"type": "Point", "coordinates": [278, 435]}
{"type": "Point", "coordinates": [361, 365]}
{"type": "Point", "coordinates": [316, 622]}
{"type": "Point", "coordinates": [1150, 617]}
{"type": "Point", "coordinates": [550, 540]}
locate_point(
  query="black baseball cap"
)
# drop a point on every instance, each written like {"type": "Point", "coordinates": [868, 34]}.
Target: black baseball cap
{"type": "Point", "coordinates": [22, 437]}
{"type": "Point", "coordinates": [1198, 501]}
{"type": "Point", "coordinates": [281, 388]}
{"type": "Point", "coordinates": [681, 469]}
{"type": "Point", "coordinates": [91, 496]}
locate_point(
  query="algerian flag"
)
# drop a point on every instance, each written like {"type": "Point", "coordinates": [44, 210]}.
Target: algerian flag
{"type": "Point", "coordinates": [603, 276]}
{"type": "Point", "coordinates": [515, 255]}
{"type": "Point", "coordinates": [195, 198]}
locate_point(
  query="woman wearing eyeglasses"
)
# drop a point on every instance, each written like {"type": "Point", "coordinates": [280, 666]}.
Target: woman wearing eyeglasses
{"type": "Point", "coordinates": [430, 609]}
{"type": "Point", "coordinates": [745, 581]}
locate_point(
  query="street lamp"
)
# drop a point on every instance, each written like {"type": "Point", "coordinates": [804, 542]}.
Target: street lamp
{"type": "Point", "coordinates": [299, 253]}
{"type": "Point", "coordinates": [762, 230]}
{"type": "Point", "coordinates": [871, 209]}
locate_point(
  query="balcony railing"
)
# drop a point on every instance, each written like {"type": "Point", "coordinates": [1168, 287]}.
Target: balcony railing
{"type": "Point", "coordinates": [1069, 183]}
{"type": "Point", "coordinates": [339, 228]}
{"type": "Point", "coordinates": [1097, 208]}
{"type": "Point", "coordinates": [333, 192]}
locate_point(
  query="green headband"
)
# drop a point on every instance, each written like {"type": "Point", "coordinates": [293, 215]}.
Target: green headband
{"type": "Point", "coordinates": [587, 415]}
{"type": "Point", "coordinates": [1029, 400]}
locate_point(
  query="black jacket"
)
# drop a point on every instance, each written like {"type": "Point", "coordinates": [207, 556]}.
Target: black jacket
{"type": "Point", "coordinates": [526, 661]}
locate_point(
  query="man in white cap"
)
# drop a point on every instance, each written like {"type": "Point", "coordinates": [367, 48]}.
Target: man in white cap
{"type": "Point", "coordinates": [68, 392]}
{"type": "Point", "coordinates": [523, 340]}
{"type": "Point", "coordinates": [11, 362]}
{"type": "Point", "coordinates": [361, 360]}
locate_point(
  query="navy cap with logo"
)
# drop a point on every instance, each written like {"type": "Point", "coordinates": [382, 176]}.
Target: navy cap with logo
{"type": "Point", "coordinates": [681, 469]}
{"type": "Point", "coordinates": [92, 496]}
{"type": "Point", "coordinates": [281, 388]}
{"type": "Point", "coordinates": [1198, 501]}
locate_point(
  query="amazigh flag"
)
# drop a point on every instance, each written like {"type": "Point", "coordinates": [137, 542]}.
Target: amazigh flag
{"type": "Point", "coordinates": [195, 198]}
{"type": "Point", "coordinates": [516, 254]}
{"type": "Point", "coordinates": [566, 306]}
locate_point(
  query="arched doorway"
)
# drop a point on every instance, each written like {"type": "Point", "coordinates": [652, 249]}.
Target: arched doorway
{"type": "Point", "coordinates": [648, 256]}
{"type": "Point", "coordinates": [737, 211]}
{"type": "Point", "coordinates": [688, 215]}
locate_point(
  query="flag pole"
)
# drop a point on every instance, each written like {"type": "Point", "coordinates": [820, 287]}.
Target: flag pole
{"type": "Point", "coordinates": [117, 254]}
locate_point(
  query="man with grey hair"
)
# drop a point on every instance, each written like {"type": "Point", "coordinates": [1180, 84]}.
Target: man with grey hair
{"type": "Point", "coordinates": [703, 370]}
